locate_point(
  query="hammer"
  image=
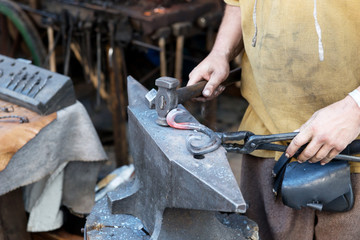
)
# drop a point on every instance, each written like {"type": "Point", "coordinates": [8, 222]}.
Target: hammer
{"type": "Point", "coordinates": [168, 96]}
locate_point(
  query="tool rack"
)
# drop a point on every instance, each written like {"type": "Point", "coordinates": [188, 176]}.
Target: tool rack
{"type": "Point", "coordinates": [98, 33]}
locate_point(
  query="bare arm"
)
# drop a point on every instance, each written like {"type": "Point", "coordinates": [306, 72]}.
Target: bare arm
{"type": "Point", "coordinates": [328, 131]}
{"type": "Point", "coordinates": [215, 67]}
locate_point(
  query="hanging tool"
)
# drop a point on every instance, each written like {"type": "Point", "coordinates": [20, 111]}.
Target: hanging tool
{"type": "Point", "coordinates": [161, 35]}
{"type": "Point", "coordinates": [180, 30]}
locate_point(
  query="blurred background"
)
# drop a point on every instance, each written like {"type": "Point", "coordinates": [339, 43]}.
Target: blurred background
{"type": "Point", "coordinates": [99, 43]}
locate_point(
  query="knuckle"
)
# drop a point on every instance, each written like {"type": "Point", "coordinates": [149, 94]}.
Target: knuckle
{"type": "Point", "coordinates": [219, 72]}
{"type": "Point", "coordinates": [333, 154]}
{"type": "Point", "coordinates": [318, 157]}
{"type": "Point", "coordinates": [296, 141]}
{"type": "Point", "coordinates": [307, 155]}
{"type": "Point", "coordinates": [339, 147]}
{"type": "Point", "coordinates": [322, 138]}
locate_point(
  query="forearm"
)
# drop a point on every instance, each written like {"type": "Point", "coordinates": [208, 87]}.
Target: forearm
{"type": "Point", "coordinates": [229, 37]}
{"type": "Point", "coordinates": [215, 67]}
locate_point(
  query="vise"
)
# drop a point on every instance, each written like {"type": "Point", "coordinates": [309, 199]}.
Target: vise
{"type": "Point", "coordinates": [173, 195]}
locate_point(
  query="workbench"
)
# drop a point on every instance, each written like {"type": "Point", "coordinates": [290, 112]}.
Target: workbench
{"type": "Point", "coordinates": [58, 167]}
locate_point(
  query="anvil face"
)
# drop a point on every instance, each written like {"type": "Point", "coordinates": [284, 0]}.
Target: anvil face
{"type": "Point", "coordinates": [167, 175]}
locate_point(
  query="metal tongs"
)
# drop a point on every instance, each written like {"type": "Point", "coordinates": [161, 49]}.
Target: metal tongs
{"type": "Point", "coordinates": [251, 142]}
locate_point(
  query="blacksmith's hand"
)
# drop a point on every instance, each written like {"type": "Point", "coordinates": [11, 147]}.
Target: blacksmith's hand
{"type": "Point", "coordinates": [214, 69]}
{"type": "Point", "coordinates": [327, 132]}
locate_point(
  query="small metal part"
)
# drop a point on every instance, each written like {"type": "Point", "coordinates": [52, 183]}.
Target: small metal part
{"type": "Point", "coordinates": [40, 87]}
{"type": "Point", "coordinates": [20, 77]}
{"type": "Point", "coordinates": [22, 119]}
{"type": "Point", "coordinates": [7, 109]}
{"type": "Point", "coordinates": [150, 98]}
{"type": "Point", "coordinates": [12, 79]}
{"type": "Point", "coordinates": [38, 80]}
{"type": "Point", "coordinates": [24, 82]}
{"type": "Point", "coordinates": [23, 60]}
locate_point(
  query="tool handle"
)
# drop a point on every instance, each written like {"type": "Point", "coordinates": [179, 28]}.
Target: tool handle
{"type": "Point", "coordinates": [189, 92]}
{"type": "Point", "coordinates": [186, 93]}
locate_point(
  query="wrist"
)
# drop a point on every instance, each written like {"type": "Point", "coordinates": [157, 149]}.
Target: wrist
{"type": "Point", "coordinates": [220, 53]}
{"type": "Point", "coordinates": [355, 95]}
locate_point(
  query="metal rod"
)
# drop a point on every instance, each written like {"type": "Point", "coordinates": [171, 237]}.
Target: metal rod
{"type": "Point", "coordinates": [179, 57]}
{"type": "Point", "coordinates": [145, 45]}
{"type": "Point", "coordinates": [98, 66]}
{"type": "Point", "coordinates": [52, 61]}
{"type": "Point", "coordinates": [162, 45]}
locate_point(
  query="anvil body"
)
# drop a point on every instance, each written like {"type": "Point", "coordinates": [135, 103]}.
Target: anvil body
{"type": "Point", "coordinates": [175, 195]}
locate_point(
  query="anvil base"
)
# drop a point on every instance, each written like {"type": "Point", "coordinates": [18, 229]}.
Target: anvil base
{"type": "Point", "coordinates": [178, 224]}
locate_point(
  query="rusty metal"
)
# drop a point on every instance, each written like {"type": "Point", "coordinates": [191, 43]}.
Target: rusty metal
{"type": "Point", "coordinates": [173, 196]}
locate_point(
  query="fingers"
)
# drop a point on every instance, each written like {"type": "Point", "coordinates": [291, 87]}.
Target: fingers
{"type": "Point", "coordinates": [215, 94]}
{"type": "Point", "coordinates": [317, 149]}
{"type": "Point", "coordinates": [213, 69]}
{"type": "Point", "coordinates": [301, 139]}
{"type": "Point", "coordinates": [197, 75]}
{"type": "Point", "coordinates": [327, 132]}
{"type": "Point", "coordinates": [332, 154]}
{"type": "Point", "coordinates": [212, 89]}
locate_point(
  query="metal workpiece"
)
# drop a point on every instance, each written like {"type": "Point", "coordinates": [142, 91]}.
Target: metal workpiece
{"type": "Point", "coordinates": [175, 195]}
{"type": "Point", "coordinates": [196, 143]}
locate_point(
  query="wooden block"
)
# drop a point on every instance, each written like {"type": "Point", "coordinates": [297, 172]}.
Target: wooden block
{"type": "Point", "coordinates": [55, 235]}
{"type": "Point", "coordinates": [13, 218]}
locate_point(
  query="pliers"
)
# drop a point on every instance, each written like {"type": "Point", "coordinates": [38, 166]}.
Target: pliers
{"type": "Point", "coordinates": [251, 142]}
{"type": "Point", "coordinates": [254, 142]}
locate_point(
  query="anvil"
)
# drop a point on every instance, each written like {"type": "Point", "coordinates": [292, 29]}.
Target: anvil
{"type": "Point", "coordinates": [174, 194]}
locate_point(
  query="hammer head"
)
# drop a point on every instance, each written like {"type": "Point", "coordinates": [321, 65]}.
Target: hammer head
{"type": "Point", "coordinates": [166, 98]}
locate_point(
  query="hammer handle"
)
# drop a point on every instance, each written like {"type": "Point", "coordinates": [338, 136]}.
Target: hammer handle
{"type": "Point", "coordinates": [189, 92]}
